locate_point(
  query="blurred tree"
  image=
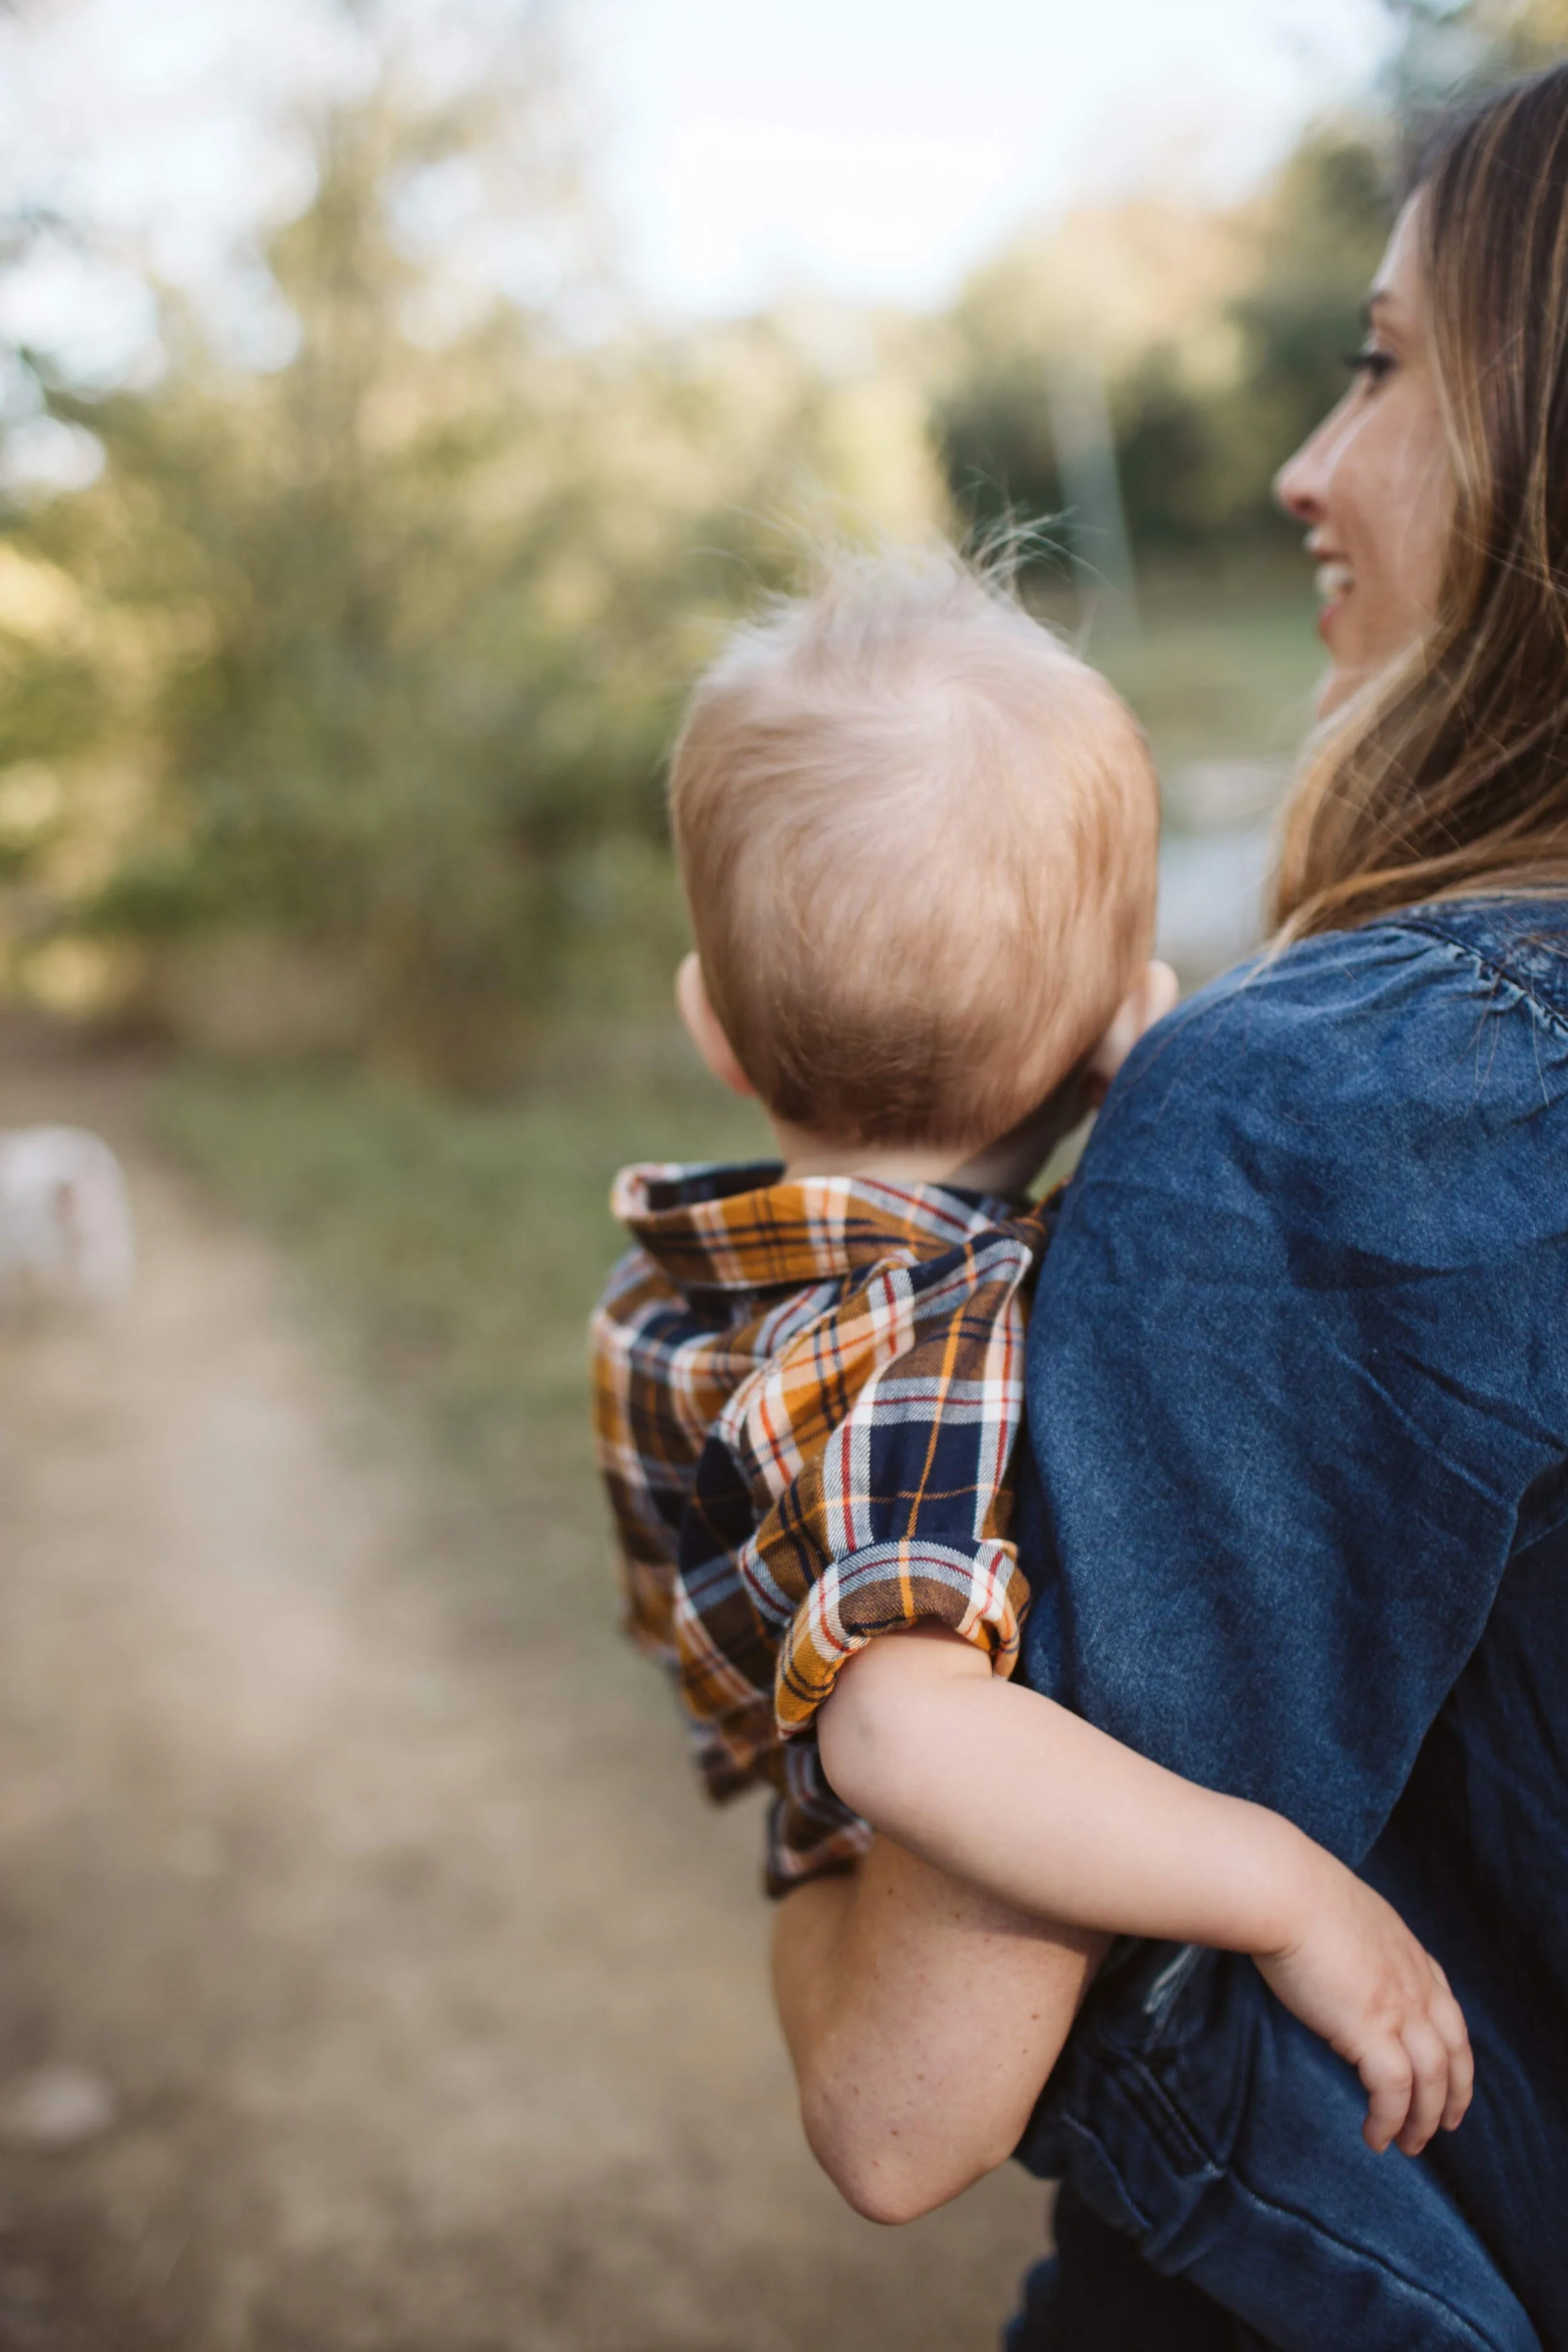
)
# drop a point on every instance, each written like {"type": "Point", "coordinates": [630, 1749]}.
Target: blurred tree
{"type": "Point", "coordinates": [1220, 335]}
{"type": "Point", "coordinates": [1540, 25]}
{"type": "Point", "coordinates": [411, 606]}
{"type": "Point", "coordinates": [1449, 49]}
{"type": "Point", "coordinates": [1136, 292]}
{"type": "Point", "coordinates": [1320, 233]}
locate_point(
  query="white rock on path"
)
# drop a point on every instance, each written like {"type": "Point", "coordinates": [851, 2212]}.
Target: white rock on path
{"type": "Point", "coordinates": [55, 2107]}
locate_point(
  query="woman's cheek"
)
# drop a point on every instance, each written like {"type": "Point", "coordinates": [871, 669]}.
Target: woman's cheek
{"type": "Point", "coordinates": [1418, 506]}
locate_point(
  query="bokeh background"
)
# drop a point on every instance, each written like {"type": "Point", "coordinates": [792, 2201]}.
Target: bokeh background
{"type": "Point", "coordinates": [397, 400]}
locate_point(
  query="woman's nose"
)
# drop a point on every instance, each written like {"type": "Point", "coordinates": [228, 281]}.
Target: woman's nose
{"type": "Point", "coordinates": [1298, 486]}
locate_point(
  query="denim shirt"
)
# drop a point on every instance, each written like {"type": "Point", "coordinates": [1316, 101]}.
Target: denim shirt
{"type": "Point", "coordinates": [1299, 1401]}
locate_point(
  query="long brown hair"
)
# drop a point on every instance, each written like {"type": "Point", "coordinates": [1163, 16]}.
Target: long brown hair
{"type": "Point", "coordinates": [1449, 775]}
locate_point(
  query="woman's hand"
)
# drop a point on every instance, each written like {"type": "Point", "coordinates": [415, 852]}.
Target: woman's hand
{"type": "Point", "coordinates": [1351, 1970]}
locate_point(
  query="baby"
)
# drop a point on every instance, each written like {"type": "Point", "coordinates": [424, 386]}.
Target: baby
{"type": "Point", "coordinates": [917, 840]}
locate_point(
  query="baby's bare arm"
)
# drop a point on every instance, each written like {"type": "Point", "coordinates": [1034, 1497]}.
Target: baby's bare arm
{"type": "Point", "coordinates": [1041, 1812]}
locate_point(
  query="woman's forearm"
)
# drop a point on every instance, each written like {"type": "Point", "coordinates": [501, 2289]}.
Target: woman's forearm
{"type": "Point", "coordinates": [922, 2019]}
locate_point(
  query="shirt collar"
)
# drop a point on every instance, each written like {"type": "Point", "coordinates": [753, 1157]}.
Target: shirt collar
{"type": "Point", "coordinates": [745, 1228]}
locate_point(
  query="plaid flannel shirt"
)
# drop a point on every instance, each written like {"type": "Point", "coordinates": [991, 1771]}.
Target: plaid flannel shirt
{"type": "Point", "coordinates": [806, 1398]}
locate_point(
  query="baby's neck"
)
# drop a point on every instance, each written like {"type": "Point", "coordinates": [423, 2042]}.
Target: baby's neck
{"type": "Point", "coordinates": [1006, 1167]}
{"type": "Point", "coordinates": [820, 1155]}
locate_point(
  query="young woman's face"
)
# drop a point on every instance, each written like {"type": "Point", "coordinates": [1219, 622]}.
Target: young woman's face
{"type": "Point", "coordinates": [1374, 483]}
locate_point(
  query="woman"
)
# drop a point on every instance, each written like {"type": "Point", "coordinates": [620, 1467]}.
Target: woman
{"type": "Point", "coordinates": [1299, 1375]}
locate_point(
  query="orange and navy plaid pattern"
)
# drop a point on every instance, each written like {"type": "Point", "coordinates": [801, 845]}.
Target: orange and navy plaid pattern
{"type": "Point", "coordinates": [806, 1399]}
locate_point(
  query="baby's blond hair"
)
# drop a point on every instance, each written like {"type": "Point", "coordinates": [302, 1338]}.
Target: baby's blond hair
{"type": "Point", "coordinates": [917, 838]}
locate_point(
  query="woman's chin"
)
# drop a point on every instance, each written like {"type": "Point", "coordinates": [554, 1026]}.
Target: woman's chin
{"type": "Point", "coordinates": [1358, 654]}
{"type": "Point", "coordinates": [1344, 678]}
{"type": "Point", "coordinates": [1335, 688]}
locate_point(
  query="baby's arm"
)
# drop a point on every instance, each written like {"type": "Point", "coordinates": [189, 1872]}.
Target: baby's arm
{"type": "Point", "coordinates": [921, 1737]}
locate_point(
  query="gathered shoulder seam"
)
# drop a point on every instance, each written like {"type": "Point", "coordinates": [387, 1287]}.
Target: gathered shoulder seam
{"type": "Point", "coordinates": [1555, 1014]}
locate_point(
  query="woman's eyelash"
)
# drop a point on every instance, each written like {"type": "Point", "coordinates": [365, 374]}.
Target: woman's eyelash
{"type": "Point", "coordinates": [1370, 362]}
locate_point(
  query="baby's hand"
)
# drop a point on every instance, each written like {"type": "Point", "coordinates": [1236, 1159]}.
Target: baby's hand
{"type": "Point", "coordinates": [1357, 1975]}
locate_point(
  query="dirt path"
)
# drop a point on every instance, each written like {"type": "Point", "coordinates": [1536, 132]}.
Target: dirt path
{"type": "Point", "coordinates": [431, 2002]}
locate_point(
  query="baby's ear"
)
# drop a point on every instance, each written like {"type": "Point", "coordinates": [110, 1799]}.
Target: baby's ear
{"type": "Point", "coordinates": [1152, 994]}
{"type": "Point", "coordinates": [705, 1029]}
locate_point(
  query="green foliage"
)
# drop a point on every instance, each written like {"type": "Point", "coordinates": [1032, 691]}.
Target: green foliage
{"type": "Point", "coordinates": [1323, 232]}
{"type": "Point", "coordinates": [1451, 49]}
{"type": "Point", "coordinates": [995, 436]}
{"type": "Point", "coordinates": [51, 700]}
{"type": "Point", "coordinates": [1219, 671]}
{"type": "Point", "coordinates": [1169, 447]}
{"type": "Point", "coordinates": [412, 610]}
{"type": "Point", "coordinates": [332, 714]}
{"type": "Point", "coordinates": [1219, 337]}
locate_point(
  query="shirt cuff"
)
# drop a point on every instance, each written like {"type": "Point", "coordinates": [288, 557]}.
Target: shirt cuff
{"type": "Point", "coordinates": [981, 1595]}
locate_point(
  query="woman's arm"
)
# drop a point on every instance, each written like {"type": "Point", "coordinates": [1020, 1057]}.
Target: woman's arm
{"type": "Point", "coordinates": [923, 2020]}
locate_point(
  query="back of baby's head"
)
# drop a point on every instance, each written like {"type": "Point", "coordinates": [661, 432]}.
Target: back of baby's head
{"type": "Point", "coordinates": [918, 842]}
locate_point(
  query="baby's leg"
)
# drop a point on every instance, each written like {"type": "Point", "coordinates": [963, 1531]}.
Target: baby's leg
{"type": "Point", "coordinates": [1196, 2115]}
{"type": "Point", "coordinates": [1095, 2291]}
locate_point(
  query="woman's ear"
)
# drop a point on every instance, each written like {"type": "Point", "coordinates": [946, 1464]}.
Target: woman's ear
{"type": "Point", "coordinates": [704, 1028]}
{"type": "Point", "coordinates": [1152, 994]}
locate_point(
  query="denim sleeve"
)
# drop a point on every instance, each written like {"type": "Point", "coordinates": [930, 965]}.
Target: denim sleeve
{"type": "Point", "coordinates": [1296, 1357]}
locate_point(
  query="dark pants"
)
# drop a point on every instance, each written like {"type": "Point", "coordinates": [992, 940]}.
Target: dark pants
{"type": "Point", "coordinates": [1220, 2195]}
{"type": "Point", "coordinates": [1095, 2295]}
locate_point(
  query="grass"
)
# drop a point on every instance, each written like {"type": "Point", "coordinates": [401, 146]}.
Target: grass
{"type": "Point", "coordinates": [464, 1246]}
{"type": "Point", "coordinates": [1212, 679]}
{"type": "Point", "coordinates": [1217, 668]}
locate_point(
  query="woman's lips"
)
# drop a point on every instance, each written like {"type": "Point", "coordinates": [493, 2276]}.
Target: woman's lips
{"type": "Point", "coordinates": [1335, 581]}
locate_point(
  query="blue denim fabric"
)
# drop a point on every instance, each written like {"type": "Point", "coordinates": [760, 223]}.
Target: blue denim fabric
{"type": "Point", "coordinates": [1299, 1399]}
{"type": "Point", "coordinates": [1089, 2295]}
{"type": "Point", "coordinates": [1197, 2119]}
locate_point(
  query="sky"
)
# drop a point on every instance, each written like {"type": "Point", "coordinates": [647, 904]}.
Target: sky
{"type": "Point", "coordinates": [877, 149]}
{"type": "Point", "coordinates": [872, 150]}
